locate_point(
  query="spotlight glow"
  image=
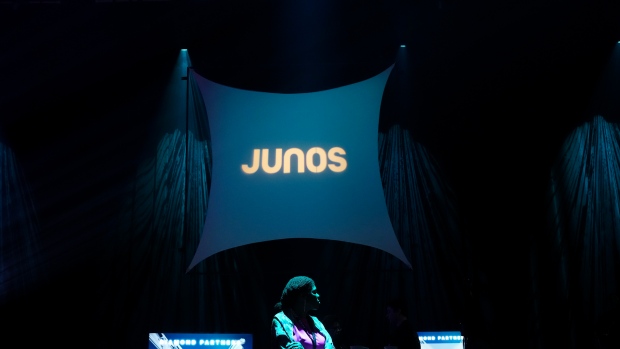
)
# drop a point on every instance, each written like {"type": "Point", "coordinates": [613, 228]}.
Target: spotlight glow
{"type": "Point", "coordinates": [403, 45]}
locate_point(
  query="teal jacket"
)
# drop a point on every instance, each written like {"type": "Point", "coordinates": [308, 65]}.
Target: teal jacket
{"type": "Point", "coordinates": [282, 330]}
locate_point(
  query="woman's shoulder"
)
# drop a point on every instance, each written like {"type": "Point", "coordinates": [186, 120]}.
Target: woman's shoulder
{"type": "Point", "coordinates": [317, 322]}
{"type": "Point", "coordinates": [282, 316]}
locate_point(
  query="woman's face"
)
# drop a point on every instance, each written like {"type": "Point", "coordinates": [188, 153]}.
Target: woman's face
{"type": "Point", "coordinates": [312, 300]}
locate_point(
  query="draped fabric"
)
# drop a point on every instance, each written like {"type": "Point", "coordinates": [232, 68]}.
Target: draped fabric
{"type": "Point", "coordinates": [584, 242]}
{"type": "Point", "coordinates": [142, 284]}
{"type": "Point", "coordinates": [147, 288]}
{"type": "Point", "coordinates": [423, 211]}
{"type": "Point", "coordinates": [20, 262]}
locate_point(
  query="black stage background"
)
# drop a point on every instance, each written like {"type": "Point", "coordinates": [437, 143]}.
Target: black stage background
{"type": "Point", "coordinates": [490, 88]}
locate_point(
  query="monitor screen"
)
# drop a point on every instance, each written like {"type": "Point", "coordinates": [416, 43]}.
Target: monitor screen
{"type": "Point", "coordinates": [172, 340]}
{"type": "Point", "coordinates": [441, 340]}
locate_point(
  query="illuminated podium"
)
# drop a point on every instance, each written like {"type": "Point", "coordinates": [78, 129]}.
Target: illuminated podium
{"type": "Point", "coordinates": [171, 340]}
{"type": "Point", "coordinates": [441, 340]}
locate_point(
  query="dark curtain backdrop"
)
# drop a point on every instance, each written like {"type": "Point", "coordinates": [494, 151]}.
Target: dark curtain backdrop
{"type": "Point", "coordinates": [88, 262]}
{"type": "Point", "coordinates": [580, 255]}
{"type": "Point", "coordinates": [235, 290]}
{"type": "Point", "coordinates": [131, 276]}
{"type": "Point", "coordinates": [20, 248]}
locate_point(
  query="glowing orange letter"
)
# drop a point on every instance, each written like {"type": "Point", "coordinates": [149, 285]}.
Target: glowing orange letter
{"type": "Point", "coordinates": [333, 156]}
{"type": "Point", "coordinates": [300, 160]}
{"type": "Point", "coordinates": [322, 160]}
{"type": "Point", "coordinates": [277, 166]}
{"type": "Point", "coordinates": [255, 163]}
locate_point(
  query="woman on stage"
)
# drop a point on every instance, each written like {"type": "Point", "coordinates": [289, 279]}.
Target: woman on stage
{"type": "Point", "coordinates": [293, 327]}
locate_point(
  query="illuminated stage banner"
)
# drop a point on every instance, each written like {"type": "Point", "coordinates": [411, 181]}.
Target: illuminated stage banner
{"type": "Point", "coordinates": [174, 340]}
{"type": "Point", "coordinates": [299, 165]}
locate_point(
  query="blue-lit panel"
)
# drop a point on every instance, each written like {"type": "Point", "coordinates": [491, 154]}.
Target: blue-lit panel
{"type": "Point", "coordinates": [299, 165]}
{"type": "Point", "coordinates": [170, 340]}
{"type": "Point", "coordinates": [441, 340]}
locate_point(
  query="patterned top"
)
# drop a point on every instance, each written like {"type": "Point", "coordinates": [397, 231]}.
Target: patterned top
{"type": "Point", "coordinates": [284, 330]}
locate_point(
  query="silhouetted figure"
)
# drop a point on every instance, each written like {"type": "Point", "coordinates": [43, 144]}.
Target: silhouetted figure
{"type": "Point", "coordinates": [334, 327]}
{"type": "Point", "coordinates": [292, 327]}
{"type": "Point", "coordinates": [402, 333]}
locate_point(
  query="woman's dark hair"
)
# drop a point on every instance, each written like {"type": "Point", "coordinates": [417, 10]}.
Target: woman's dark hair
{"type": "Point", "coordinates": [299, 285]}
